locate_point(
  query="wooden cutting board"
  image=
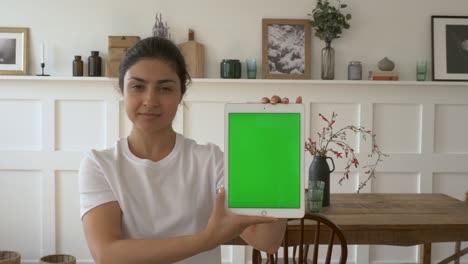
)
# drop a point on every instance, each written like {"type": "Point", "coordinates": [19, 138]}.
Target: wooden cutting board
{"type": "Point", "coordinates": [194, 54]}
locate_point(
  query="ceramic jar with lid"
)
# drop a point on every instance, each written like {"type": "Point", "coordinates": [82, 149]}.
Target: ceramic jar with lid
{"type": "Point", "coordinates": [354, 70]}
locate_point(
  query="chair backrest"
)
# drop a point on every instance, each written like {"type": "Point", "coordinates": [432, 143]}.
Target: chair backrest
{"type": "Point", "coordinates": [458, 251]}
{"type": "Point", "coordinates": [320, 222]}
{"type": "Point", "coordinates": [301, 239]}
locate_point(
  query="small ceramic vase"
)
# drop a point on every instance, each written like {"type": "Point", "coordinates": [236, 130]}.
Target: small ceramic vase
{"type": "Point", "coordinates": [386, 65]}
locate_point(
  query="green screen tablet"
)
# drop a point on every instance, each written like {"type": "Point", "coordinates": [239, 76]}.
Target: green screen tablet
{"type": "Point", "coordinates": [264, 156]}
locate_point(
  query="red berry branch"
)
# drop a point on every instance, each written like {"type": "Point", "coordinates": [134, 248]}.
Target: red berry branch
{"type": "Point", "coordinates": [322, 147]}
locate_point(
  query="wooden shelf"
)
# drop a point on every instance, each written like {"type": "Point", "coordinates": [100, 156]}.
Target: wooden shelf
{"type": "Point", "coordinates": [245, 81]}
{"type": "Point", "coordinates": [54, 78]}
{"type": "Point", "coordinates": [333, 82]}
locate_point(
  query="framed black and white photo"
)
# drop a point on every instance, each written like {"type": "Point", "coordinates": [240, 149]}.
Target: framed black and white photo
{"type": "Point", "coordinates": [286, 49]}
{"type": "Point", "coordinates": [450, 48]}
{"type": "Point", "coordinates": [13, 51]}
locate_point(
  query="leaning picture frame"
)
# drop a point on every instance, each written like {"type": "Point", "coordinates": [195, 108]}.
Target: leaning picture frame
{"type": "Point", "coordinates": [449, 48]}
{"type": "Point", "coordinates": [13, 51]}
{"type": "Point", "coordinates": [286, 48]}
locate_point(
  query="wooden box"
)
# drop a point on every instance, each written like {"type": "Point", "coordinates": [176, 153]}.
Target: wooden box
{"type": "Point", "coordinates": [118, 46]}
{"type": "Point", "coordinates": [116, 54]}
{"type": "Point", "coordinates": [112, 68]}
{"type": "Point", "coordinates": [122, 41]}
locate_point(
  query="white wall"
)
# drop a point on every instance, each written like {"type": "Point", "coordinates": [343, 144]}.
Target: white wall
{"type": "Point", "coordinates": [55, 120]}
{"type": "Point", "coordinates": [399, 29]}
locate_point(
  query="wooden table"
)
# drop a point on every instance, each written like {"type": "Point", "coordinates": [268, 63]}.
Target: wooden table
{"type": "Point", "coordinates": [393, 219]}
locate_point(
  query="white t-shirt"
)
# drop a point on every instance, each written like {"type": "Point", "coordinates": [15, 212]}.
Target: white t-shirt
{"type": "Point", "coordinates": [172, 197]}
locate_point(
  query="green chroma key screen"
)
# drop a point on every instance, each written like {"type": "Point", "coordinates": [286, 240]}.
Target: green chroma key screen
{"type": "Point", "coordinates": [264, 160]}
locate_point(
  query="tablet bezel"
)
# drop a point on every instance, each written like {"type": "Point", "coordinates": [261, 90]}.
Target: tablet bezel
{"type": "Point", "coordinates": [265, 108]}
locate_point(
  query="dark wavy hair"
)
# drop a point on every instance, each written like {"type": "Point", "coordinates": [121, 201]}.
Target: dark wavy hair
{"type": "Point", "coordinates": [157, 48]}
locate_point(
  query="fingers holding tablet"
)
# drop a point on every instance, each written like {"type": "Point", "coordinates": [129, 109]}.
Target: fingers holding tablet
{"type": "Point", "coordinates": [224, 225]}
{"type": "Point", "coordinates": [275, 99]}
{"type": "Point", "coordinates": [244, 220]}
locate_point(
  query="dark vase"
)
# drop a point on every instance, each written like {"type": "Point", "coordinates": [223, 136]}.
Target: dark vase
{"type": "Point", "coordinates": [77, 66]}
{"type": "Point", "coordinates": [320, 171]}
{"type": "Point", "coordinates": [94, 64]}
{"type": "Point", "coordinates": [328, 62]}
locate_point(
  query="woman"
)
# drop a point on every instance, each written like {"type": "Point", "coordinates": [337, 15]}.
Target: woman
{"type": "Point", "coordinates": [155, 196]}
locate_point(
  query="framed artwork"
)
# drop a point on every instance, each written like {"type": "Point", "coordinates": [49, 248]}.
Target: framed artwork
{"type": "Point", "coordinates": [13, 51]}
{"type": "Point", "coordinates": [449, 48]}
{"type": "Point", "coordinates": [286, 49]}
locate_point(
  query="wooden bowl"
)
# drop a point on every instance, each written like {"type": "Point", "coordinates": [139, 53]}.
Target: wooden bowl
{"type": "Point", "coordinates": [58, 258]}
{"type": "Point", "coordinates": [10, 257]}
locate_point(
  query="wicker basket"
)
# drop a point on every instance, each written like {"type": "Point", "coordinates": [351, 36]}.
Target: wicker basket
{"type": "Point", "coordinates": [62, 259]}
{"type": "Point", "coordinates": [10, 257]}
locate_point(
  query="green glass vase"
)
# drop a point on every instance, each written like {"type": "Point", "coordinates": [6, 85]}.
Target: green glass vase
{"type": "Point", "coordinates": [328, 62]}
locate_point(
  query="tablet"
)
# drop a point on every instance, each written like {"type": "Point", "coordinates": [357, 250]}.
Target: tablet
{"type": "Point", "coordinates": [264, 159]}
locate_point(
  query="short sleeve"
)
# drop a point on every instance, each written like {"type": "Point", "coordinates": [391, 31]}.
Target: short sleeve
{"type": "Point", "coordinates": [219, 165]}
{"type": "Point", "coordinates": [94, 188]}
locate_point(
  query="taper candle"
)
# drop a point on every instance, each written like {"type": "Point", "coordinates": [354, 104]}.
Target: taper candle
{"type": "Point", "coordinates": [42, 52]}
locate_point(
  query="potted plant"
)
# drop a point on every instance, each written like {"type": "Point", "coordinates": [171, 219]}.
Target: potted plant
{"type": "Point", "coordinates": [328, 22]}
{"type": "Point", "coordinates": [333, 143]}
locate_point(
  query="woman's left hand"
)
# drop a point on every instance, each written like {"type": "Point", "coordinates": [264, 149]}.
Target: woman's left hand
{"type": "Point", "coordinates": [275, 99]}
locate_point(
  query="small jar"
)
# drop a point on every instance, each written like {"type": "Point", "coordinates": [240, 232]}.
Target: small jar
{"type": "Point", "coordinates": [230, 69]}
{"type": "Point", "coordinates": [354, 70]}
{"type": "Point", "coordinates": [94, 64]}
{"type": "Point", "coordinates": [77, 66]}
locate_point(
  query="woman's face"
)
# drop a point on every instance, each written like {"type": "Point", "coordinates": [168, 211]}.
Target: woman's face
{"type": "Point", "coordinates": [152, 94]}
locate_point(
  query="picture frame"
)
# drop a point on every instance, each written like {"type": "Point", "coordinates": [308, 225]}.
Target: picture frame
{"type": "Point", "coordinates": [449, 48]}
{"type": "Point", "coordinates": [286, 48]}
{"type": "Point", "coordinates": [13, 51]}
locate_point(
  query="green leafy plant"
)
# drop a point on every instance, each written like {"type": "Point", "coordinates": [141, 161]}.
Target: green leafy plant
{"type": "Point", "coordinates": [328, 20]}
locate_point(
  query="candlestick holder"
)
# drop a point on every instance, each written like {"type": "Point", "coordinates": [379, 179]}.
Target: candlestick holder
{"type": "Point", "coordinates": [42, 67]}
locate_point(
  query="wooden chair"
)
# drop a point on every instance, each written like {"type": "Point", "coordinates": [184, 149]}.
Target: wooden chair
{"type": "Point", "coordinates": [458, 251]}
{"type": "Point", "coordinates": [322, 224]}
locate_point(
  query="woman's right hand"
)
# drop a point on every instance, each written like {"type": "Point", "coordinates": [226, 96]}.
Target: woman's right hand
{"type": "Point", "coordinates": [224, 225]}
